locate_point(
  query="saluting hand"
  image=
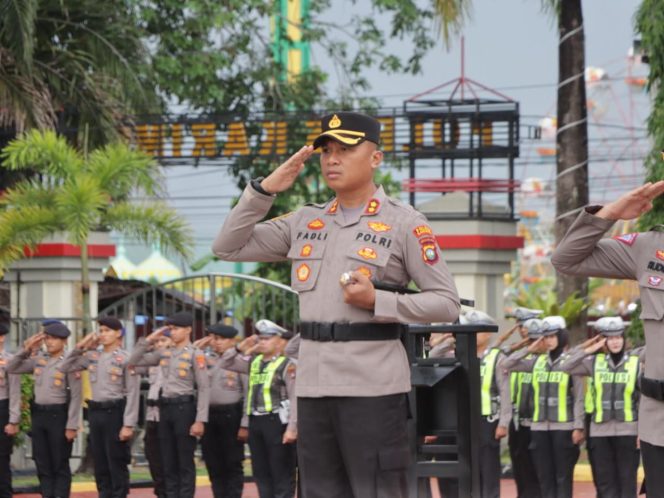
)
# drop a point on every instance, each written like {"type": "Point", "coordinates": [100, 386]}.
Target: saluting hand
{"type": "Point", "coordinates": [595, 346]}
{"type": "Point", "coordinates": [537, 345]}
{"type": "Point", "coordinates": [284, 176]}
{"type": "Point", "coordinates": [88, 342]}
{"type": "Point", "coordinates": [156, 334]}
{"type": "Point", "coordinates": [248, 345]}
{"type": "Point", "coordinates": [632, 204]}
{"type": "Point", "coordinates": [359, 291]}
{"type": "Point", "coordinates": [203, 343]}
{"type": "Point", "coordinates": [33, 343]}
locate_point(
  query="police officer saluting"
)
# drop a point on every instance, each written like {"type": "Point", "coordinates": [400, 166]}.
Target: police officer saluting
{"type": "Point", "coordinates": [270, 406]}
{"type": "Point", "coordinates": [521, 391]}
{"type": "Point", "coordinates": [635, 256]}
{"type": "Point", "coordinates": [557, 427]}
{"type": "Point", "coordinates": [56, 408]}
{"type": "Point", "coordinates": [10, 414]}
{"type": "Point", "coordinates": [182, 415]}
{"type": "Point", "coordinates": [225, 433]}
{"type": "Point", "coordinates": [113, 409]}
{"type": "Point", "coordinates": [353, 369]}
{"type": "Point", "coordinates": [614, 399]}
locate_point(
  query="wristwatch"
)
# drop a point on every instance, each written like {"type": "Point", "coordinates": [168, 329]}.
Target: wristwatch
{"type": "Point", "coordinates": [256, 184]}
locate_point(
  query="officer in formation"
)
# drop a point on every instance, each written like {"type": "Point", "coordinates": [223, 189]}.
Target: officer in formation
{"type": "Point", "coordinates": [113, 409]}
{"type": "Point", "coordinates": [270, 406]}
{"type": "Point", "coordinates": [182, 415]}
{"type": "Point", "coordinates": [151, 444]}
{"type": "Point", "coordinates": [10, 413]}
{"type": "Point", "coordinates": [558, 412]}
{"type": "Point", "coordinates": [56, 408]}
{"type": "Point", "coordinates": [353, 370]}
{"type": "Point", "coordinates": [521, 392]}
{"type": "Point", "coordinates": [636, 256]}
{"type": "Point", "coordinates": [226, 430]}
{"type": "Point", "coordinates": [613, 401]}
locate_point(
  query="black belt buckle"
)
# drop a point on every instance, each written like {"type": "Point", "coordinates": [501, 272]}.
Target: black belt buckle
{"type": "Point", "coordinates": [324, 332]}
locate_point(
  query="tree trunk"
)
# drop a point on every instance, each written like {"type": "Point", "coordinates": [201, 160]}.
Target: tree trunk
{"type": "Point", "coordinates": [85, 289]}
{"type": "Point", "coordinates": [571, 143]}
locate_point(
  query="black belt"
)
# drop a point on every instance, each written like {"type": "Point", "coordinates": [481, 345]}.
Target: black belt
{"type": "Point", "coordinates": [152, 402]}
{"type": "Point", "coordinates": [49, 408]}
{"type": "Point", "coordinates": [106, 405]}
{"type": "Point", "coordinates": [652, 388]}
{"type": "Point", "coordinates": [331, 331]}
{"type": "Point", "coordinates": [4, 403]}
{"type": "Point", "coordinates": [225, 407]}
{"type": "Point", "coordinates": [177, 400]}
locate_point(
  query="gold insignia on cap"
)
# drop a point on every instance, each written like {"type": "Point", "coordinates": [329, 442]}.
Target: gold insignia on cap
{"type": "Point", "coordinates": [335, 122]}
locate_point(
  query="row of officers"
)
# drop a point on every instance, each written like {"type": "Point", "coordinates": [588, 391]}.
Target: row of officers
{"type": "Point", "coordinates": [549, 398]}
{"type": "Point", "coordinates": [227, 392]}
{"type": "Point", "coordinates": [218, 390]}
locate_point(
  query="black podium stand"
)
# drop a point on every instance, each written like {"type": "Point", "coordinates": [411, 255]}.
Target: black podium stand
{"type": "Point", "coordinates": [445, 402]}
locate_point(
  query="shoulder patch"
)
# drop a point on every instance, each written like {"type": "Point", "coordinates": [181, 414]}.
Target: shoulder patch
{"type": "Point", "coordinates": [627, 238]}
{"type": "Point", "coordinates": [200, 361]}
{"type": "Point", "coordinates": [421, 230]}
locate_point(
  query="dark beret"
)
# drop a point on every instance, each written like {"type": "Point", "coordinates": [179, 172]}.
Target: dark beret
{"type": "Point", "coordinates": [49, 321]}
{"type": "Point", "coordinates": [4, 328]}
{"type": "Point", "coordinates": [110, 322]}
{"type": "Point", "coordinates": [57, 329]}
{"type": "Point", "coordinates": [181, 319]}
{"type": "Point", "coordinates": [223, 330]}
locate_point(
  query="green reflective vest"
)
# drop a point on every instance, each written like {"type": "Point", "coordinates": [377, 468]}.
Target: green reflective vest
{"type": "Point", "coordinates": [263, 376]}
{"type": "Point", "coordinates": [490, 396]}
{"type": "Point", "coordinates": [552, 392]}
{"type": "Point", "coordinates": [615, 395]}
{"type": "Point", "coordinates": [589, 400]}
{"type": "Point", "coordinates": [521, 390]}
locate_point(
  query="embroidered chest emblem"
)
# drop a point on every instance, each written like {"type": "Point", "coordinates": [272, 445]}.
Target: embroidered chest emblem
{"type": "Point", "coordinates": [367, 253]}
{"type": "Point", "coordinates": [379, 226]}
{"type": "Point", "coordinates": [303, 271]}
{"type": "Point", "coordinates": [654, 281]}
{"type": "Point", "coordinates": [306, 250]}
{"type": "Point", "coordinates": [316, 224]}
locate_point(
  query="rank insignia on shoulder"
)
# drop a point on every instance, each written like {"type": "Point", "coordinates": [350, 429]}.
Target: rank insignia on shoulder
{"type": "Point", "coordinates": [379, 226]}
{"type": "Point", "coordinates": [660, 254]}
{"type": "Point", "coordinates": [303, 271]}
{"type": "Point", "coordinates": [333, 207]}
{"type": "Point", "coordinates": [306, 250]}
{"type": "Point", "coordinates": [316, 224]}
{"type": "Point", "coordinates": [372, 206]}
{"type": "Point", "coordinates": [422, 230]}
{"type": "Point", "coordinates": [627, 238]}
{"type": "Point", "coordinates": [429, 252]}
{"type": "Point", "coordinates": [367, 253]}
{"type": "Point", "coordinates": [654, 281]}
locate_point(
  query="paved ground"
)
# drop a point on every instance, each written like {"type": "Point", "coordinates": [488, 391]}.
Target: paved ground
{"type": "Point", "coordinates": [581, 490]}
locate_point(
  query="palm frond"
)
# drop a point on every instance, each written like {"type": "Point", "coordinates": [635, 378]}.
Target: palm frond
{"type": "Point", "coordinates": [28, 194]}
{"type": "Point", "coordinates": [120, 170]}
{"type": "Point", "coordinates": [154, 223]}
{"type": "Point", "coordinates": [24, 228]}
{"type": "Point", "coordinates": [44, 152]}
{"type": "Point", "coordinates": [17, 29]}
{"type": "Point", "coordinates": [452, 15]}
{"type": "Point", "coordinates": [79, 203]}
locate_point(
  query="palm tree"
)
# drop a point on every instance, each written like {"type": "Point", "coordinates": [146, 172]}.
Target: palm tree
{"type": "Point", "coordinates": [75, 193]}
{"type": "Point", "coordinates": [572, 135]}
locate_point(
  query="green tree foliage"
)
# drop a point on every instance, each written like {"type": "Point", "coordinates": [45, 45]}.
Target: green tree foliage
{"type": "Point", "coordinates": [541, 296]}
{"type": "Point", "coordinates": [650, 25]}
{"type": "Point", "coordinates": [76, 193]}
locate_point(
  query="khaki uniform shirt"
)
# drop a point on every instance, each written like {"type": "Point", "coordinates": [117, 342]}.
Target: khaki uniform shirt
{"type": "Point", "coordinates": [226, 386]}
{"type": "Point", "coordinates": [388, 241]}
{"type": "Point", "coordinates": [183, 370]}
{"type": "Point", "coordinates": [52, 386]}
{"type": "Point", "coordinates": [110, 378]}
{"type": "Point", "coordinates": [637, 257]}
{"type": "Point", "coordinates": [10, 388]}
{"type": "Point", "coordinates": [232, 360]}
{"type": "Point", "coordinates": [523, 361]}
{"type": "Point", "coordinates": [577, 362]}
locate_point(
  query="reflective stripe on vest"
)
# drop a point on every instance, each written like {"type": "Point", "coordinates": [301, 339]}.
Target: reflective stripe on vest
{"type": "Point", "coordinates": [615, 389]}
{"type": "Point", "coordinates": [589, 400]}
{"type": "Point", "coordinates": [487, 370]}
{"type": "Point", "coordinates": [545, 401]}
{"type": "Point", "coordinates": [264, 378]}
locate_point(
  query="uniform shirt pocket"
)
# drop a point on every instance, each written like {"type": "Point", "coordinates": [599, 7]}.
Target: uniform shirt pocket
{"type": "Point", "coordinates": [307, 259]}
{"type": "Point", "coordinates": [652, 297]}
{"type": "Point", "coordinates": [368, 259]}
